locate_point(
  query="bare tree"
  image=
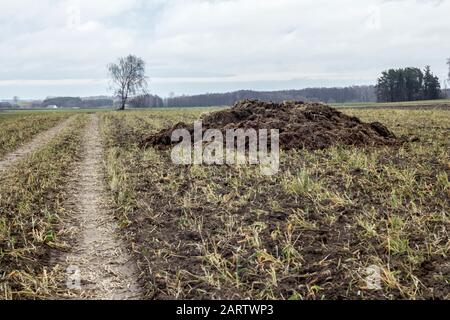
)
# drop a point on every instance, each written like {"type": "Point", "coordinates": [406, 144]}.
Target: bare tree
{"type": "Point", "coordinates": [127, 78]}
{"type": "Point", "coordinates": [16, 100]}
{"type": "Point", "coordinates": [447, 81]}
{"type": "Point", "coordinates": [448, 62]}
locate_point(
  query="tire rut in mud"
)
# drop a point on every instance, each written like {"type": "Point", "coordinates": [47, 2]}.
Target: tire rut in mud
{"type": "Point", "coordinates": [98, 254]}
{"type": "Point", "coordinates": [39, 141]}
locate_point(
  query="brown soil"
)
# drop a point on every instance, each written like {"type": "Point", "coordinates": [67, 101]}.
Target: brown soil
{"type": "Point", "coordinates": [301, 125]}
{"type": "Point", "coordinates": [106, 269]}
{"type": "Point", "coordinates": [38, 141]}
{"type": "Point", "coordinates": [223, 232]}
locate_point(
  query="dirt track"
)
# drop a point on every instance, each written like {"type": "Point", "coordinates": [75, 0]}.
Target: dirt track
{"type": "Point", "coordinates": [99, 254]}
{"type": "Point", "coordinates": [39, 141]}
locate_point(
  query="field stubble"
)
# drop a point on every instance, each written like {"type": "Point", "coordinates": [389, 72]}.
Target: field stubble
{"type": "Point", "coordinates": [309, 232]}
{"type": "Point", "coordinates": [18, 129]}
{"type": "Point", "coordinates": [31, 197]}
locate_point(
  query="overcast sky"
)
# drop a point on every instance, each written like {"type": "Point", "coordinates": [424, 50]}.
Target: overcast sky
{"type": "Point", "coordinates": [59, 47]}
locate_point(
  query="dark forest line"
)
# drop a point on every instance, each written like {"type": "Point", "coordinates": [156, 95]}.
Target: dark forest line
{"type": "Point", "coordinates": [327, 95]}
{"type": "Point", "coordinates": [352, 94]}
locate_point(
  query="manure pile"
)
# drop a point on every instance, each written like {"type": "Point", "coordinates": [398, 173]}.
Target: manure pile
{"type": "Point", "coordinates": [310, 126]}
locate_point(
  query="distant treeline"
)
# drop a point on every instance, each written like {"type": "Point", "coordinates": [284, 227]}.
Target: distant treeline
{"type": "Point", "coordinates": [415, 87]}
{"type": "Point", "coordinates": [147, 101]}
{"type": "Point", "coordinates": [5, 105]}
{"type": "Point", "coordinates": [327, 95]}
{"type": "Point", "coordinates": [409, 84]}
{"type": "Point", "coordinates": [142, 101]}
{"type": "Point", "coordinates": [76, 102]}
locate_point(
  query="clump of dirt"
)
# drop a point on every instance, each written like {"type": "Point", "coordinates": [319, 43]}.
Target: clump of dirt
{"type": "Point", "coordinates": [310, 126]}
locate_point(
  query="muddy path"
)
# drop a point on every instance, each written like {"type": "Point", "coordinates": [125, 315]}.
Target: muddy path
{"type": "Point", "coordinates": [36, 143]}
{"type": "Point", "coordinates": [98, 258]}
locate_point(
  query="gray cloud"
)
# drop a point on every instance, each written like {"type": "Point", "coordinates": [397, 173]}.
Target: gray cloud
{"type": "Point", "coordinates": [195, 45]}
